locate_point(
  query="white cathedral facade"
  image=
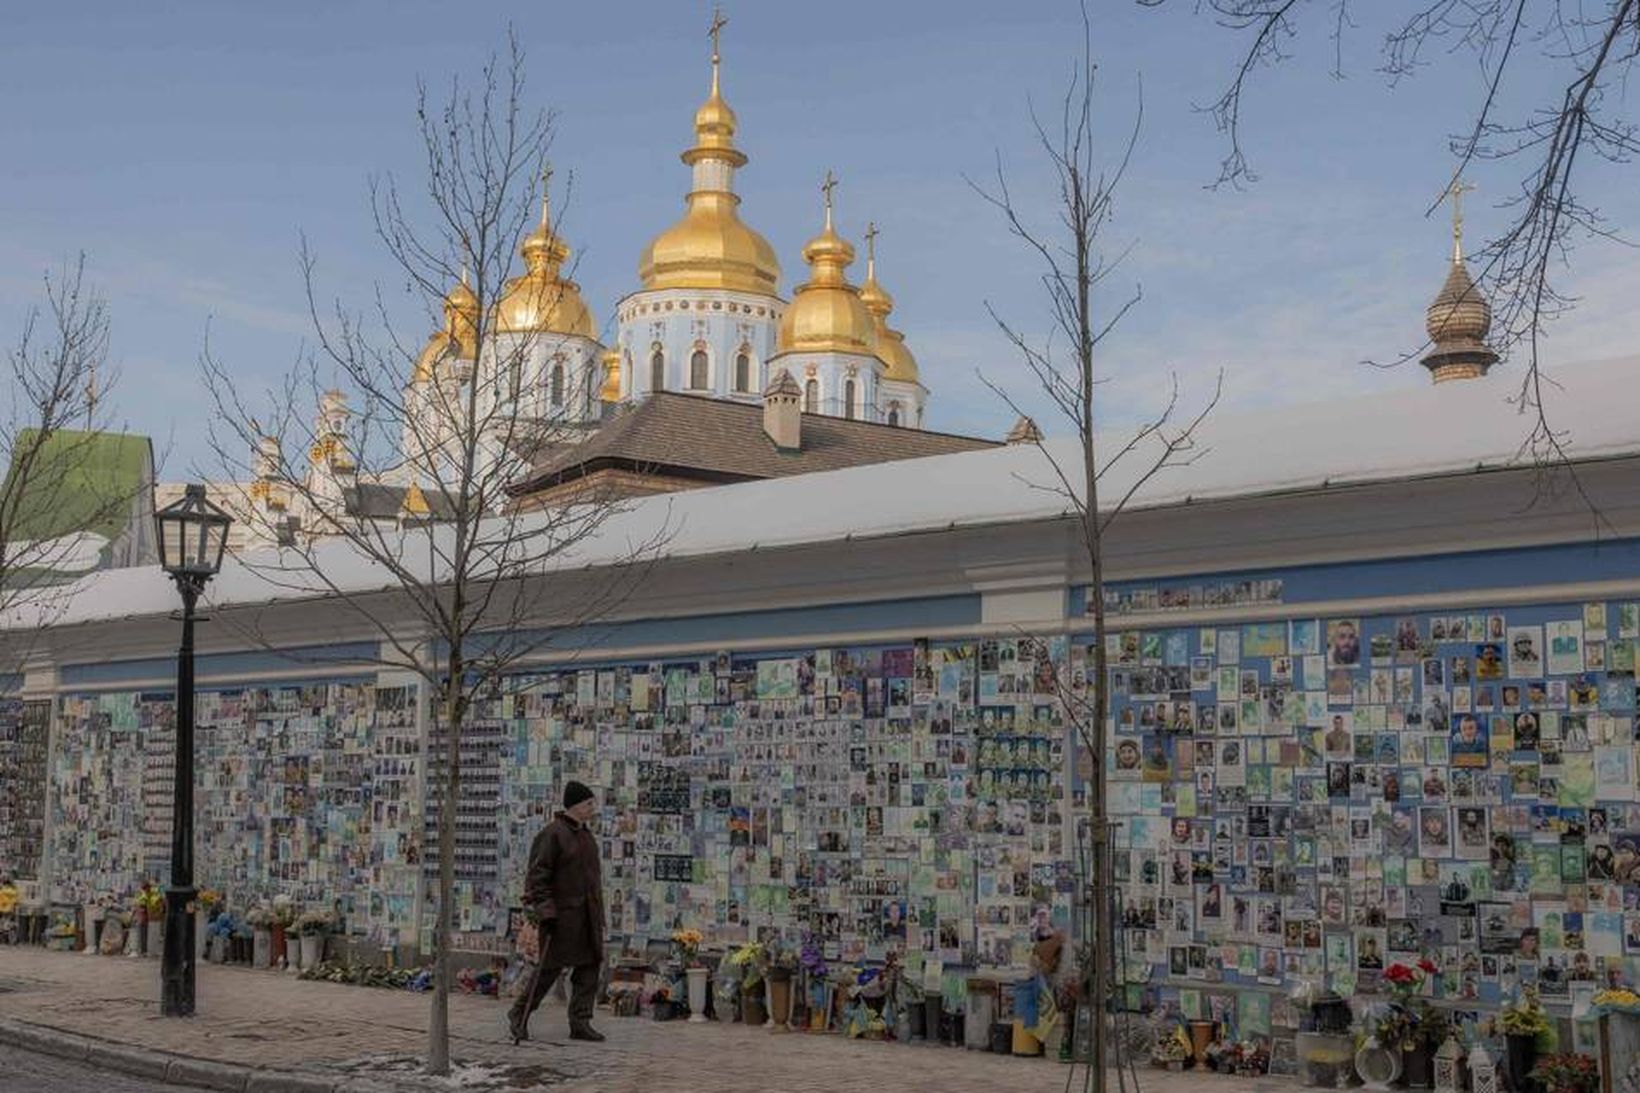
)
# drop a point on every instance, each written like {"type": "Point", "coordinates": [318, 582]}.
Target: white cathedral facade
{"type": "Point", "coordinates": [708, 319]}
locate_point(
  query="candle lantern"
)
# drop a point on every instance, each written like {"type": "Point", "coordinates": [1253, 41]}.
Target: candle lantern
{"type": "Point", "coordinates": [1448, 1065]}
{"type": "Point", "coordinates": [1483, 1072]}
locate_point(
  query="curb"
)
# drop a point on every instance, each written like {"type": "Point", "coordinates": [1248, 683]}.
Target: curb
{"type": "Point", "coordinates": [163, 1066]}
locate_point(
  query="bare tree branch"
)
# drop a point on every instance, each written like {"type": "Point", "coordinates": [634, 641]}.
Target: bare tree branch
{"type": "Point", "coordinates": [472, 589]}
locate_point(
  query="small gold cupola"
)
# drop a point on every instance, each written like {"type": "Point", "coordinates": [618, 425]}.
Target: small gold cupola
{"type": "Point", "coordinates": [541, 300]}
{"type": "Point", "coordinates": [1460, 318]}
{"type": "Point", "coordinates": [891, 347]}
{"type": "Point", "coordinates": [711, 247]}
{"type": "Point", "coordinates": [458, 340]}
{"type": "Point", "coordinates": [827, 314]}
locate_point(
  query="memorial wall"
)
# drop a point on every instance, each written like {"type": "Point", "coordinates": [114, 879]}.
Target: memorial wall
{"type": "Point", "coordinates": [1296, 796]}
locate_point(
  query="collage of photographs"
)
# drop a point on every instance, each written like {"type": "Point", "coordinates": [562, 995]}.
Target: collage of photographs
{"type": "Point", "coordinates": [1314, 797]}
{"type": "Point", "coordinates": [1293, 798]}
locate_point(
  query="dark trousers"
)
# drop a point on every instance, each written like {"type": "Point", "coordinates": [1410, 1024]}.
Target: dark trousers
{"type": "Point", "coordinates": [583, 982]}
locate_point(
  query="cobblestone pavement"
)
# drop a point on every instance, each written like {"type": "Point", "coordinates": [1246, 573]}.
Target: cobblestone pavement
{"type": "Point", "coordinates": [23, 1070]}
{"type": "Point", "coordinates": [272, 1019]}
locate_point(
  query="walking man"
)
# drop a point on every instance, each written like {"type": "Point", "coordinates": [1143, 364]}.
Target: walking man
{"type": "Point", "coordinates": [565, 887]}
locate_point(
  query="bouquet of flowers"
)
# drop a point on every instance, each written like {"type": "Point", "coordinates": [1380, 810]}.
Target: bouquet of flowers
{"type": "Point", "coordinates": [687, 944]}
{"type": "Point", "coordinates": [1524, 1018]}
{"type": "Point", "coordinates": [313, 923]}
{"type": "Point", "coordinates": [1567, 1072]}
{"type": "Point", "coordinates": [8, 898]}
{"type": "Point", "coordinates": [284, 911]}
{"type": "Point", "coordinates": [259, 917]}
{"type": "Point", "coordinates": [150, 901]}
{"type": "Point", "coordinates": [1406, 980]}
{"type": "Point", "coordinates": [748, 960]}
{"type": "Point", "coordinates": [1618, 999]}
{"type": "Point", "coordinates": [780, 959]}
{"type": "Point", "coordinates": [812, 960]}
{"type": "Point", "coordinates": [209, 900]}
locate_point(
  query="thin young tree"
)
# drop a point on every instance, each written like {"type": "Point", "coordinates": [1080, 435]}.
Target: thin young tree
{"type": "Point", "coordinates": [464, 585]}
{"type": "Point", "coordinates": [1551, 110]}
{"type": "Point", "coordinates": [1065, 363]}
{"type": "Point", "coordinates": [58, 481]}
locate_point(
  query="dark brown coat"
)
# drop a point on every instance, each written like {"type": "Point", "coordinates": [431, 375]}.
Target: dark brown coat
{"type": "Point", "coordinates": [565, 887]}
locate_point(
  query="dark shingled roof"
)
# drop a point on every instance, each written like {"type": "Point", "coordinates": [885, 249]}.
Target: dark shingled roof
{"type": "Point", "coordinates": [715, 440]}
{"type": "Point", "coordinates": [379, 501]}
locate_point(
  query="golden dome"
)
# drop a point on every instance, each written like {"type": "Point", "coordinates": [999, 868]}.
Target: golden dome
{"type": "Point", "coordinates": [1457, 324]}
{"type": "Point", "coordinates": [611, 391]}
{"type": "Point", "coordinates": [711, 247]}
{"type": "Point", "coordinates": [891, 347]}
{"type": "Point", "coordinates": [461, 319]}
{"type": "Point", "coordinates": [458, 339]}
{"type": "Point", "coordinates": [827, 314]}
{"type": "Point", "coordinates": [437, 347]}
{"type": "Point", "coordinates": [541, 300]}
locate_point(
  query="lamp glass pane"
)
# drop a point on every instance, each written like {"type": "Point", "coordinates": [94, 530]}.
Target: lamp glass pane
{"type": "Point", "coordinates": [217, 539]}
{"type": "Point", "coordinates": [170, 541]}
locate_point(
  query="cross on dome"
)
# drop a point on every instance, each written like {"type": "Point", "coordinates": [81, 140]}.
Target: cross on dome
{"type": "Point", "coordinates": [1455, 193]}
{"type": "Point", "coordinates": [827, 187]}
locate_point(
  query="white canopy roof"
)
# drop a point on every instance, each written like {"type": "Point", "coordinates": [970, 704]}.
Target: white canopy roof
{"type": "Point", "coordinates": [1447, 429]}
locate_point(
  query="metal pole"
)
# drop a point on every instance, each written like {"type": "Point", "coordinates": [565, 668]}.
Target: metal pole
{"type": "Point", "coordinates": [177, 967]}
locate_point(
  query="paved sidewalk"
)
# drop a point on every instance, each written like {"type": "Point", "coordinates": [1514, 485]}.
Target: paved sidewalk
{"type": "Point", "coordinates": [333, 1032]}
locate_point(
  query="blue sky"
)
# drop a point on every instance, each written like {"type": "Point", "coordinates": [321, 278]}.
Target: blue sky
{"type": "Point", "coordinates": [184, 149]}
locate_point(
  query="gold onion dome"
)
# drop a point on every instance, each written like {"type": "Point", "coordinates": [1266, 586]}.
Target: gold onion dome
{"type": "Point", "coordinates": [827, 314]}
{"type": "Point", "coordinates": [711, 247]}
{"type": "Point", "coordinates": [1459, 319]}
{"type": "Point", "coordinates": [541, 300]}
{"type": "Point", "coordinates": [458, 339]}
{"type": "Point", "coordinates": [891, 347]}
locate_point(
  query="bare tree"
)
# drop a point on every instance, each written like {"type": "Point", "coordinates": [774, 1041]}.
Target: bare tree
{"type": "Point", "coordinates": [461, 588]}
{"type": "Point", "coordinates": [60, 484]}
{"type": "Point", "coordinates": [1568, 127]}
{"type": "Point", "coordinates": [1074, 266]}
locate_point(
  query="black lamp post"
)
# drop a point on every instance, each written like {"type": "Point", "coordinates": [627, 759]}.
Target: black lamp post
{"type": "Point", "coordinates": [192, 533]}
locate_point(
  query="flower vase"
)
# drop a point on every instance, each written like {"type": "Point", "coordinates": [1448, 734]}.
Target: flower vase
{"type": "Point", "coordinates": [278, 953]}
{"type": "Point", "coordinates": [697, 994]}
{"type": "Point", "coordinates": [202, 922]}
{"type": "Point", "coordinates": [752, 1008]}
{"type": "Point", "coordinates": [1417, 1067]}
{"type": "Point", "coordinates": [780, 1001]}
{"type": "Point", "coordinates": [140, 931]}
{"type": "Point", "coordinates": [1377, 1065]}
{"type": "Point", "coordinates": [1522, 1057]}
{"type": "Point", "coordinates": [156, 936]}
{"type": "Point", "coordinates": [261, 947]}
{"type": "Point", "coordinates": [313, 950]}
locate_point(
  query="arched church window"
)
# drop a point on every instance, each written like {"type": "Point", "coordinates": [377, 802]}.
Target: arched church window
{"type": "Point", "coordinates": [743, 372]}
{"type": "Point", "coordinates": [657, 371]}
{"type": "Point", "coordinates": [894, 414]}
{"type": "Point", "coordinates": [515, 376]}
{"type": "Point", "coordinates": [697, 370]}
{"type": "Point", "coordinates": [811, 397]}
{"type": "Point", "coordinates": [557, 385]}
{"type": "Point", "coordinates": [848, 399]}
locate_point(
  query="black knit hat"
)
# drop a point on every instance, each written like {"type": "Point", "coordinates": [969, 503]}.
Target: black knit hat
{"type": "Point", "coordinates": [575, 793]}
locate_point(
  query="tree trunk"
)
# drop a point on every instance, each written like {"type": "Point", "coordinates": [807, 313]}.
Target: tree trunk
{"type": "Point", "coordinates": [438, 1023]}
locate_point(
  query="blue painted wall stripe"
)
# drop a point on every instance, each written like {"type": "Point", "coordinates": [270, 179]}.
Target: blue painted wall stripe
{"type": "Point", "coordinates": [1615, 559]}
{"type": "Point", "coordinates": [927, 614]}
{"type": "Point", "coordinates": [220, 664]}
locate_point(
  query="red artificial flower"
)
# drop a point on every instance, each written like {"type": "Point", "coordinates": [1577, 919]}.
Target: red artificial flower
{"type": "Point", "coordinates": [1428, 967]}
{"type": "Point", "coordinates": [1399, 973]}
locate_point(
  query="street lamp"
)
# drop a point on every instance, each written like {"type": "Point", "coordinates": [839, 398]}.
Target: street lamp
{"type": "Point", "coordinates": [192, 533]}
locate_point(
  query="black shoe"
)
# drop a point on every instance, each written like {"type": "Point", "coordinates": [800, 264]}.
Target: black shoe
{"type": "Point", "coordinates": [519, 1027]}
{"type": "Point", "coordinates": [586, 1032]}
